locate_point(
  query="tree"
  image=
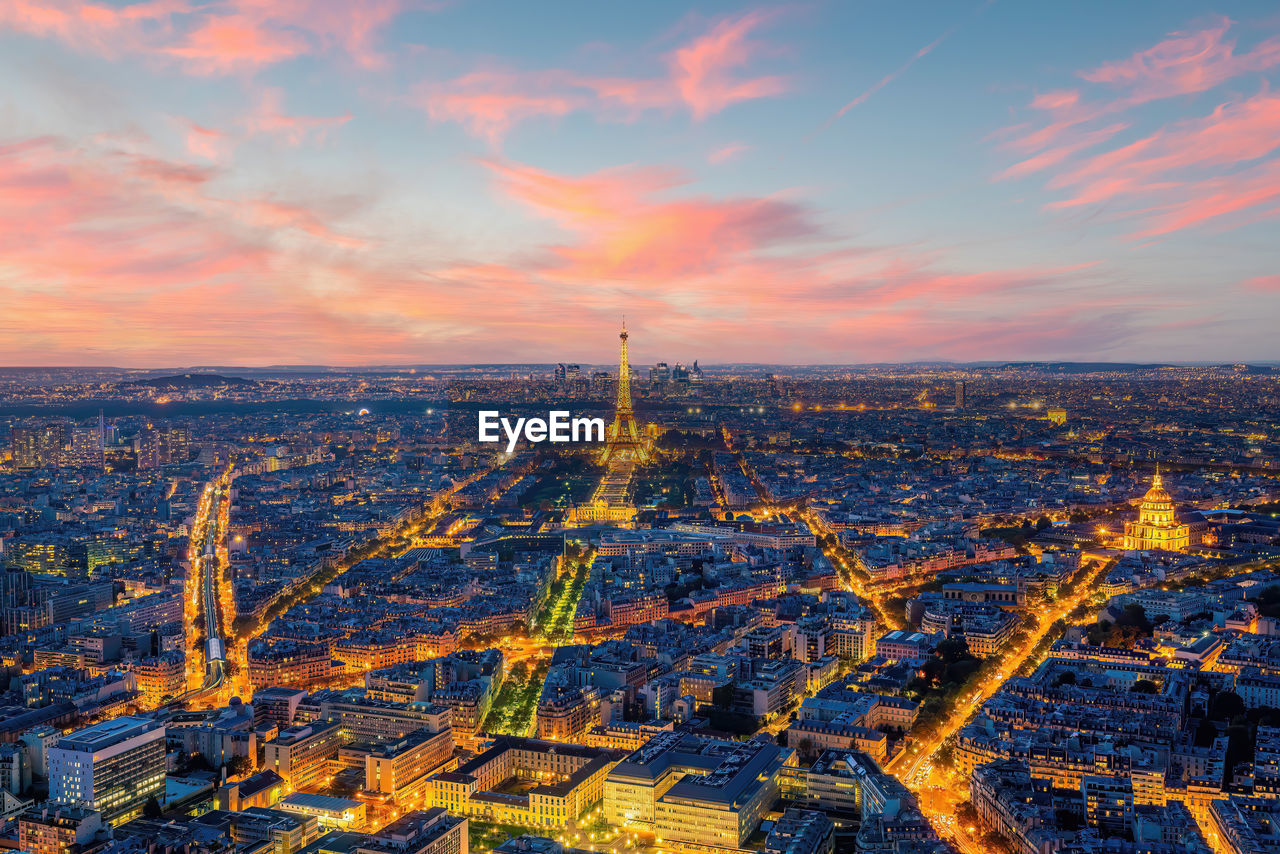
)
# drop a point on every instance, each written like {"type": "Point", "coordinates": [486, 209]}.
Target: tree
{"type": "Point", "coordinates": [152, 808]}
{"type": "Point", "coordinates": [1226, 706]}
{"type": "Point", "coordinates": [1144, 686]}
{"type": "Point", "coordinates": [238, 765]}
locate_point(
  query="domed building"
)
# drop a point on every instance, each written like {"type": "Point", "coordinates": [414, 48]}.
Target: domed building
{"type": "Point", "coordinates": [1157, 525]}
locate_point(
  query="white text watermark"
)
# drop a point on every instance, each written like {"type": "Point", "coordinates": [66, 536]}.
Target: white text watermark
{"type": "Point", "coordinates": [558, 426]}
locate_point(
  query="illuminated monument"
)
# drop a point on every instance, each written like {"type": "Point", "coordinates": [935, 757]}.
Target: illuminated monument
{"type": "Point", "coordinates": [625, 448]}
{"type": "Point", "coordinates": [1157, 526]}
{"type": "Point", "coordinates": [624, 436]}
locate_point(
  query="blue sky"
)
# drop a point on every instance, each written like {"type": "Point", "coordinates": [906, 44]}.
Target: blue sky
{"type": "Point", "coordinates": [244, 181]}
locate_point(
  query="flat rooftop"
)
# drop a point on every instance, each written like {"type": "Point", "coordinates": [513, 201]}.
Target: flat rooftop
{"type": "Point", "coordinates": [105, 734]}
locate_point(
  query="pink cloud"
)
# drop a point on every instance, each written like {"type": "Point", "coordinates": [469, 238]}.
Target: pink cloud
{"type": "Point", "coordinates": [269, 118]}
{"type": "Point", "coordinates": [1058, 154]}
{"type": "Point", "coordinates": [1182, 64]}
{"type": "Point", "coordinates": [1262, 283]}
{"type": "Point", "coordinates": [628, 230]}
{"type": "Point", "coordinates": [704, 70]}
{"type": "Point", "coordinates": [139, 259]}
{"type": "Point", "coordinates": [1234, 133]}
{"type": "Point", "coordinates": [726, 153]}
{"type": "Point", "coordinates": [1185, 63]}
{"type": "Point", "coordinates": [1179, 176]}
{"type": "Point", "coordinates": [1059, 100]}
{"type": "Point", "coordinates": [214, 38]}
{"type": "Point", "coordinates": [95, 28]}
{"type": "Point", "coordinates": [232, 44]}
{"type": "Point", "coordinates": [1213, 199]}
{"type": "Point", "coordinates": [207, 143]}
{"type": "Point", "coordinates": [703, 77]}
{"type": "Point", "coordinates": [490, 103]}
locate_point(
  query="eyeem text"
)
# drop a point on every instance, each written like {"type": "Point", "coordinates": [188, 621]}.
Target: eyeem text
{"type": "Point", "coordinates": [558, 426]}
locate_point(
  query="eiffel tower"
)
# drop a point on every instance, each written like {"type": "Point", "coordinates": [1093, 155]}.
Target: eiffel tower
{"type": "Point", "coordinates": [624, 443]}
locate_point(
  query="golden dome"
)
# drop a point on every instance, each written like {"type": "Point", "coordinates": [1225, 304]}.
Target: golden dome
{"type": "Point", "coordinates": [1157, 493]}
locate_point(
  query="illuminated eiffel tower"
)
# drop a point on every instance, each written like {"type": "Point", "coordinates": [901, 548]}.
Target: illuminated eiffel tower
{"type": "Point", "coordinates": [624, 443]}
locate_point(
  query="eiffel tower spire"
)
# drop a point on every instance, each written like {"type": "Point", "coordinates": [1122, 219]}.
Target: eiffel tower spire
{"type": "Point", "coordinates": [624, 435]}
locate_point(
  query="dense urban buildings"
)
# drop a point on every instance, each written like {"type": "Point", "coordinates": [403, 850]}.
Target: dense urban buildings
{"type": "Point", "coordinates": [819, 610]}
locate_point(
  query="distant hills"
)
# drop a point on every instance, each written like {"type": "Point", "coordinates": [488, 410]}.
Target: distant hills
{"type": "Point", "coordinates": [1122, 367]}
{"type": "Point", "coordinates": [186, 381]}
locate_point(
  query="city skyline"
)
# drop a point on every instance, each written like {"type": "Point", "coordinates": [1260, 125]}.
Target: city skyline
{"type": "Point", "coordinates": [302, 182]}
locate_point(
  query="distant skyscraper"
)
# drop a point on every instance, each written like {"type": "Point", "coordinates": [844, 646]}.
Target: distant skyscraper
{"type": "Point", "coordinates": [38, 447]}
{"type": "Point", "coordinates": [962, 395]}
{"type": "Point", "coordinates": [85, 447]}
{"type": "Point", "coordinates": [162, 446]}
{"type": "Point", "coordinates": [566, 375]}
{"type": "Point", "coordinates": [660, 374]}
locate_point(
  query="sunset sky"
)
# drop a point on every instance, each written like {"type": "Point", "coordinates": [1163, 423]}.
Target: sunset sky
{"type": "Point", "coordinates": [251, 182]}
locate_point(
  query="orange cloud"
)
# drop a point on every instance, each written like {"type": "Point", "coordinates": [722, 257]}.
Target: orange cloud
{"type": "Point", "coordinates": [130, 257]}
{"type": "Point", "coordinates": [628, 231]}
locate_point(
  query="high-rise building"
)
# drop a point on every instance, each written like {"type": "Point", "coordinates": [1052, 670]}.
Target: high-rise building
{"type": "Point", "coordinates": [567, 375]}
{"type": "Point", "coordinates": [38, 447]}
{"type": "Point", "coordinates": [113, 767]}
{"type": "Point", "coordinates": [962, 395]}
{"type": "Point", "coordinates": [162, 446]}
{"type": "Point", "coordinates": [84, 448]}
{"type": "Point", "coordinates": [600, 383]}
